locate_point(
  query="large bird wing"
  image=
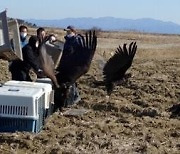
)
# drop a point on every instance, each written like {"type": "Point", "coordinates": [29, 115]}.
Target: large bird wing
{"type": "Point", "coordinates": [119, 63]}
{"type": "Point", "coordinates": [77, 63]}
{"type": "Point", "coordinates": [47, 64]}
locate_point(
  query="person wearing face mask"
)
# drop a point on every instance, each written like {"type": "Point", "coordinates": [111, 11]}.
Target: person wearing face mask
{"type": "Point", "coordinates": [71, 40]}
{"type": "Point", "coordinates": [43, 37]}
{"type": "Point", "coordinates": [20, 69]}
{"type": "Point", "coordinates": [23, 30]}
{"type": "Point", "coordinates": [23, 35]}
{"type": "Point", "coordinates": [41, 34]}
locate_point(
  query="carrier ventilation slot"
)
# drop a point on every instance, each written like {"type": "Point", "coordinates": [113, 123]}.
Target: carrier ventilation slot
{"type": "Point", "coordinates": [14, 110]}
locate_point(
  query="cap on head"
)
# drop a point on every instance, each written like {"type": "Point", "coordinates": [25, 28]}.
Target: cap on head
{"type": "Point", "coordinates": [70, 28]}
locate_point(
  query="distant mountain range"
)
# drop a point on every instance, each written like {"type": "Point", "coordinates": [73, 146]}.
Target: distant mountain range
{"type": "Point", "coordinates": [113, 24]}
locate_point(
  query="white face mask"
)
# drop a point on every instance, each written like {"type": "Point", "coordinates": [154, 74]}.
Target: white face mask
{"type": "Point", "coordinates": [37, 44]}
{"type": "Point", "coordinates": [23, 35]}
{"type": "Point", "coordinates": [70, 35]}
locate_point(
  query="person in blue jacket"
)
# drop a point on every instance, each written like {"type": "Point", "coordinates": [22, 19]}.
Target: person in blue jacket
{"type": "Point", "coordinates": [23, 35]}
{"type": "Point", "coordinates": [23, 30]}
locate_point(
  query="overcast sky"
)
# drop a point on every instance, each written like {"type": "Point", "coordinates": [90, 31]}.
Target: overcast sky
{"type": "Point", "coordinates": [165, 10]}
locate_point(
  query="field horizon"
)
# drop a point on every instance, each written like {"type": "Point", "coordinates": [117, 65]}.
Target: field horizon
{"type": "Point", "coordinates": [136, 119]}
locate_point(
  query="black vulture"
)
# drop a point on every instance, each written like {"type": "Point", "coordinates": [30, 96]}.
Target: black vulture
{"type": "Point", "coordinates": [116, 67]}
{"type": "Point", "coordinates": [73, 65]}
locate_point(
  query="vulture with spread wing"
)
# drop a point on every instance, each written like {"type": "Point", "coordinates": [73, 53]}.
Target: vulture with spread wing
{"type": "Point", "coordinates": [116, 67]}
{"type": "Point", "coordinates": [73, 65]}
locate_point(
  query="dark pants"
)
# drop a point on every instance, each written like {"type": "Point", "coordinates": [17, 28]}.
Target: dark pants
{"type": "Point", "coordinates": [74, 96]}
{"type": "Point", "coordinates": [18, 73]}
{"type": "Point", "coordinates": [66, 96]}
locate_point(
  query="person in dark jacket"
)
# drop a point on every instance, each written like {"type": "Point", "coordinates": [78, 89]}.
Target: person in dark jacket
{"type": "Point", "coordinates": [71, 42]}
{"type": "Point", "coordinates": [41, 34]}
{"type": "Point", "coordinates": [20, 69]}
{"type": "Point", "coordinates": [43, 37]}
